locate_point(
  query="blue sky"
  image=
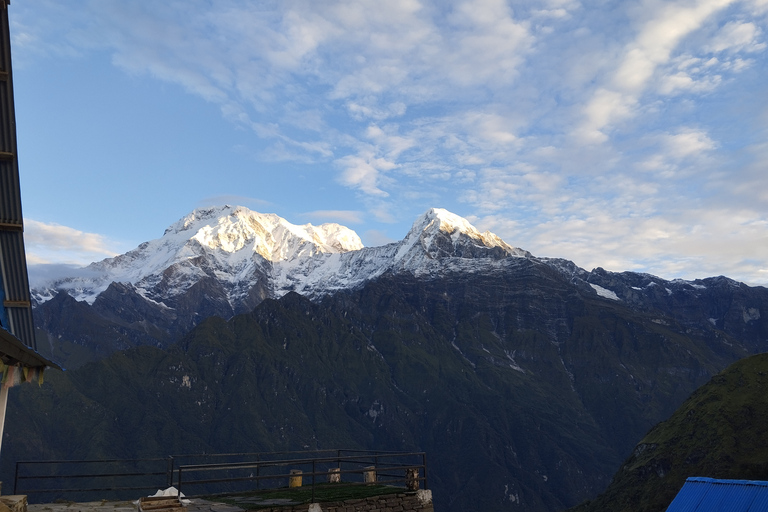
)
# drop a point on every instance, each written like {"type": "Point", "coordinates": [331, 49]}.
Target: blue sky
{"type": "Point", "coordinates": [629, 135]}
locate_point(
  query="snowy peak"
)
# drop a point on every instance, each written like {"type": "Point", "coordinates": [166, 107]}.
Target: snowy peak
{"type": "Point", "coordinates": [439, 233]}
{"type": "Point", "coordinates": [229, 244]}
{"type": "Point", "coordinates": [233, 228]}
{"type": "Point", "coordinates": [242, 251]}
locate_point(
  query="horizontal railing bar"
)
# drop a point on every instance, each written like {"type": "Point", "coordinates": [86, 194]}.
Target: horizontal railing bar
{"type": "Point", "coordinates": [377, 451]}
{"type": "Point", "coordinates": [29, 491]}
{"type": "Point", "coordinates": [249, 453]}
{"type": "Point", "coordinates": [315, 473]}
{"type": "Point", "coordinates": [100, 475]}
{"type": "Point", "coordinates": [283, 462]}
{"type": "Point", "coordinates": [88, 461]}
{"type": "Point", "coordinates": [319, 459]}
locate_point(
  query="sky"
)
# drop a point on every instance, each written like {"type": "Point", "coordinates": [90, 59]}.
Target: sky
{"type": "Point", "coordinates": [628, 135]}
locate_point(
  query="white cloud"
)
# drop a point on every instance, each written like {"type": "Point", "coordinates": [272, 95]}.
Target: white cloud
{"type": "Point", "coordinates": [46, 243]}
{"type": "Point", "coordinates": [688, 142]}
{"type": "Point", "coordinates": [737, 36]}
{"type": "Point", "coordinates": [651, 49]}
{"type": "Point", "coordinates": [488, 44]}
{"type": "Point", "coordinates": [365, 172]}
{"type": "Point", "coordinates": [689, 246]}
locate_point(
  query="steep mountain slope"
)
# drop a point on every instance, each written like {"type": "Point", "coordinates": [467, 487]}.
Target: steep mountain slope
{"type": "Point", "coordinates": [718, 432]}
{"type": "Point", "coordinates": [525, 390]}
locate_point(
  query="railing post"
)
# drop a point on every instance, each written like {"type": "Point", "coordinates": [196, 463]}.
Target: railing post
{"type": "Point", "coordinates": [258, 472]}
{"type": "Point", "coordinates": [313, 480]}
{"type": "Point", "coordinates": [179, 482]}
{"type": "Point", "coordinates": [16, 478]}
{"type": "Point", "coordinates": [424, 462]}
{"type": "Point", "coordinates": [169, 472]}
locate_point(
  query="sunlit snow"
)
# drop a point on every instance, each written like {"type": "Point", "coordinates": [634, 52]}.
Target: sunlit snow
{"type": "Point", "coordinates": [237, 246]}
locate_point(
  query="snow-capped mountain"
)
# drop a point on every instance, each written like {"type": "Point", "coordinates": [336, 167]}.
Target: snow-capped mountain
{"type": "Point", "coordinates": [225, 261]}
{"type": "Point", "coordinates": [244, 250]}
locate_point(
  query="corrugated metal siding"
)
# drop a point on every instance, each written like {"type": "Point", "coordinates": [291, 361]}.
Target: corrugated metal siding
{"type": "Point", "coordinates": [761, 501]}
{"type": "Point", "coordinates": [13, 263]}
{"type": "Point", "coordinates": [710, 495]}
{"type": "Point", "coordinates": [688, 498]}
{"type": "Point", "coordinates": [10, 200]}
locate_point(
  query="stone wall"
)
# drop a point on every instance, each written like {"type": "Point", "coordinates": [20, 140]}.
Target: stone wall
{"type": "Point", "coordinates": [13, 503]}
{"type": "Point", "coordinates": [416, 501]}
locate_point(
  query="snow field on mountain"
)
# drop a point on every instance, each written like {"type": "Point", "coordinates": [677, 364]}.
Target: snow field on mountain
{"type": "Point", "coordinates": [235, 245]}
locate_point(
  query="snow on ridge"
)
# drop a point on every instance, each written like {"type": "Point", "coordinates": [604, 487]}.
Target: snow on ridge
{"type": "Point", "coordinates": [234, 240]}
{"type": "Point", "coordinates": [423, 239]}
{"type": "Point", "coordinates": [604, 292]}
{"type": "Point", "coordinates": [233, 228]}
{"type": "Point", "coordinates": [235, 245]}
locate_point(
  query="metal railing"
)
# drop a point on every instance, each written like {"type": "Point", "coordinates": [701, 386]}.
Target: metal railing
{"type": "Point", "coordinates": [211, 474]}
{"type": "Point", "coordinates": [117, 477]}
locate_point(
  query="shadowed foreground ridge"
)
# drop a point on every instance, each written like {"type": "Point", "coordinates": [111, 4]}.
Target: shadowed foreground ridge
{"type": "Point", "coordinates": [719, 432]}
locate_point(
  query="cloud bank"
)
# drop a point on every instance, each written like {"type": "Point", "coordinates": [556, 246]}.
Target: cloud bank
{"type": "Point", "coordinates": [52, 243]}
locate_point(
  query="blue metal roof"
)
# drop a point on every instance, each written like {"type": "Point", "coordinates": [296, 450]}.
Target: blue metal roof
{"type": "Point", "coordinates": [701, 494]}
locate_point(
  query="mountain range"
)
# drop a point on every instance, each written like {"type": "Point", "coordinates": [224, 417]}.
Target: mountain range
{"type": "Point", "coordinates": [527, 380]}
{"type": "Point", "coordinates": [224, 261]}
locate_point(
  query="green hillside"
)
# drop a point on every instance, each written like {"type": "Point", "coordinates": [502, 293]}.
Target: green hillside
{"type": "Point", "coordinates": [719, 432]}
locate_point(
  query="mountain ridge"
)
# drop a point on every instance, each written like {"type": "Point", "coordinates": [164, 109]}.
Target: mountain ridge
{"type": "Point", "coordinates": [258, 247]}
{"type": "Point", "coordinates": [268, 252]}
{"type": "Point", "coordinates": [208, 263]}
